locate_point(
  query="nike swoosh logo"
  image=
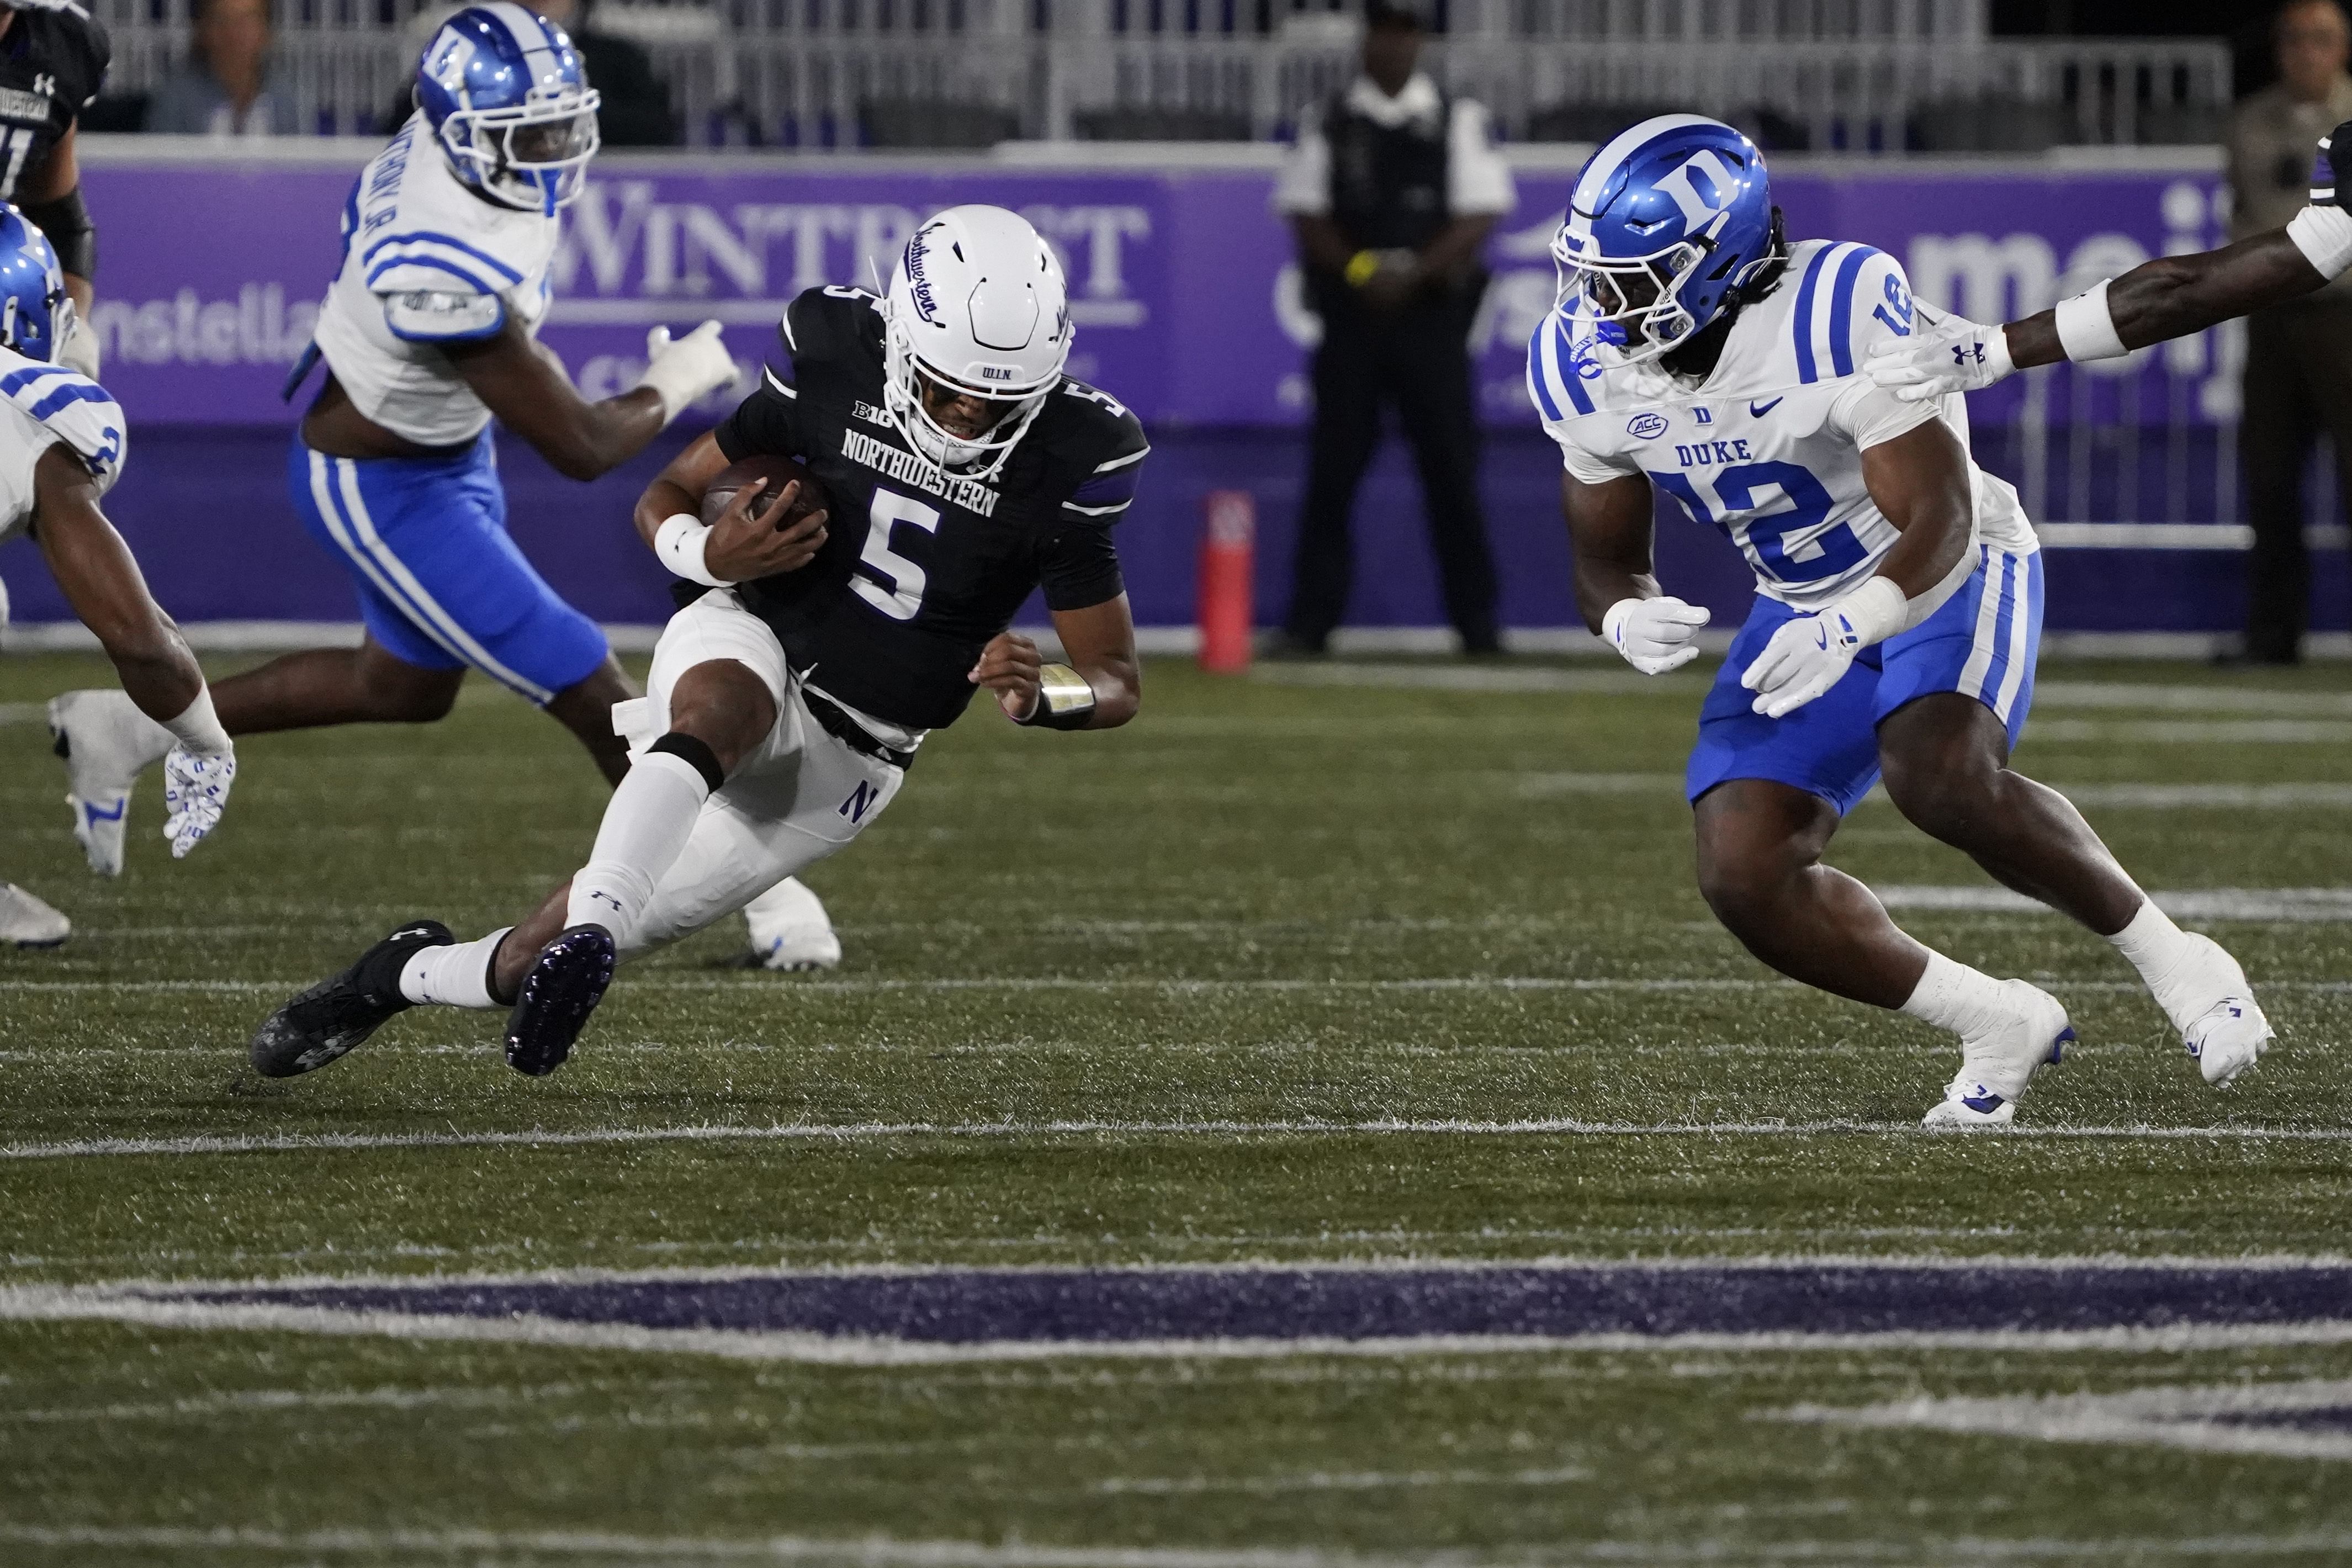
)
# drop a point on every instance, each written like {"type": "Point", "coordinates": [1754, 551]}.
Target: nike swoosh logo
{"type": "Point", "coordinates": [1758, 410]}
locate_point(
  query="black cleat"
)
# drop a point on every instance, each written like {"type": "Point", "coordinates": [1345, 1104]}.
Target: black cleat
{"type": "Point", "coordinates": [335, 1017]}
{"type": "Point", "coordinates": [566, 981]}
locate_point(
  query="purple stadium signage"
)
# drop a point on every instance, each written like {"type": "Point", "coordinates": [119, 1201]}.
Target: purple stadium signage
{"type": "Point", "coordinates": [1181, 283]}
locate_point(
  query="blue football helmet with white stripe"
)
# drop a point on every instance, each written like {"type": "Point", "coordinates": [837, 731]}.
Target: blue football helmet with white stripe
{"type": "Point", "coordinates": [510, 102]}
{"type": "Point", "coordinates": [35, 312]}
{"type": "Point", "coordinates": [1667, 223]}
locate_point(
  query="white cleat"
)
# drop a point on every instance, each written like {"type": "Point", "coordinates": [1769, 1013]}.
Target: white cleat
{"type": "Point", "coordinates": [106, 742]}
{"type": "Point", "coordinates": [2228, 1037]}
{"type": "Point", "coordinates": [26, 921]}
{"type": "Point", "coordinates": [1996, 1066]}
{"type": "Point", "coordinates": [790, 929]}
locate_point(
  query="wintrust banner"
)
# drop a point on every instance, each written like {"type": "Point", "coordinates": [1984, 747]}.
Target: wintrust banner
{"type": "Point", "coordinates": [1181, 281]}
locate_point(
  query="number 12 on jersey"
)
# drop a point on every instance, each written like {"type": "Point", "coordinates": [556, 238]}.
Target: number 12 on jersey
{"type": "Point", "coordinates": [1764, 536]}
{"type": "Point", "coordinates": [884, 578]}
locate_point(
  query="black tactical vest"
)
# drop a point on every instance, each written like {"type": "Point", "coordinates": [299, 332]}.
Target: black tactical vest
{"type": "Point", "coordinates": [1388, 182]}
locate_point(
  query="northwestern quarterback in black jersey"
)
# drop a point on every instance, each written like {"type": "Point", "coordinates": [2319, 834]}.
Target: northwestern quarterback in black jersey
{"type": "Point", "coordinates": [963, 470]}
{"type": "Point", "coordinates": [53, 60]}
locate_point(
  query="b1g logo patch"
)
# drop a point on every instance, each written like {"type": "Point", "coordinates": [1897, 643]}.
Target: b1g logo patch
{"type": "Point", "coordinates": [1646, 426]}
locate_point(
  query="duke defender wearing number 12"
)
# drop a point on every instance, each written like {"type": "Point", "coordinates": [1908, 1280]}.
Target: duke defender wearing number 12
{"type": "Point", "coordinates": [816, 645]}
{"type": "Point", "coordinates": [1898, 599]}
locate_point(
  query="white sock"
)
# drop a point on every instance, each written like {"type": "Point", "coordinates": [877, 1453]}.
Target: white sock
{"type": "Point", "coordinates": [645, 830]}
{"type": "Point", "coordinates": [1953, 996]}
{"type": "Point", "coordinates": [456, 974]}
{"type": "Point", "coordinates": [2169, 960]}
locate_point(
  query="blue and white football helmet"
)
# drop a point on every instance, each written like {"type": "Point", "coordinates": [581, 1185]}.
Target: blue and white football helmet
{"type": "Point", "coordinates": [1668, 222]}
{"type": "Point", "coordinates": [34, 313]}
{"type": "Point", "coordinates": [510, 102]}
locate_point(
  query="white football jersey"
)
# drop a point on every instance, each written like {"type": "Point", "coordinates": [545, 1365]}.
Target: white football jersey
{"type": "Point", "coordinates": [42, 404]}
{"type": "Point", "coordinates": [426, 262]}
{"type": "Point", "coordinates": [1768, 446]}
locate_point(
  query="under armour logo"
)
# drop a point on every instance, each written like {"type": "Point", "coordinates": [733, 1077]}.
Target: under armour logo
{"type": "Point", "coordinates": [1963, 354]}
{"type": "Point", "coordinates": [605, 898]}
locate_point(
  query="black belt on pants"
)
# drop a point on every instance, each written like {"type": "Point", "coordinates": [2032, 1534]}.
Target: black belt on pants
{"type": "Point", "coordinates": [838, 724]}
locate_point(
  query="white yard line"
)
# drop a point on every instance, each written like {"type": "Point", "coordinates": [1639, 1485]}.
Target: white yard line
{"type": "Point", "coordinates": [2192, 732]}
{"type": "Point", "coordinates": [2288, 905]}
{"type": "Point", "coordinates": [749, 985]}
{"type": "Point", "coordinates": [1319, 1481]}
{"type": "Point", "coordinates": [875, 1551]}
{"type": "Point", "coordinates": [2210, 1420]}
{"type": "Point", "coordinates": [72, 1304]}
{"type": "Point", "coordinates": [880, 1552]}
{"type": "Point", "coordinates": [853, 1133]}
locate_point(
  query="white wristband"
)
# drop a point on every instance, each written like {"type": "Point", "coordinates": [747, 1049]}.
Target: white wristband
{"type": "Point", "coordinates": [2085, 330]}
{"type": "Point", "coordinates": [680, 542]}
{"type": "Point", "coordinates": [198, 728]}
{"type": "Point", "coordinates": [1876, 610]}
{"type": "Point", "coordinates": [2324, 234]}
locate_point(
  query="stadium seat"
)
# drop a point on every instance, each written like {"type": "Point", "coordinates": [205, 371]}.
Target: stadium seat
{"type": "Point", "coordinates": [1157, 124]}
{"type": "Point", "coordinates": [1591, 122]}
{"type": "Point", "coordinates": [1992, 125]}
{"type": "Point", "coordinates": [935, 123]}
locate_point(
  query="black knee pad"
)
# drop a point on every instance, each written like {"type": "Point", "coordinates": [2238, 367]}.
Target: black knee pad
{"type": "Point", "coordinates": [696, 752]}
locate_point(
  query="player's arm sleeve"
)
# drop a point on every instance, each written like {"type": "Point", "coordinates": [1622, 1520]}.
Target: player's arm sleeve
{"type": "Point", "coordinates": [1078, 567]}
{"type": "Point", "coordinates": [1878, 310]}
{"type": "Point", "coordinates": [1302, 189]}
{"type": "Point", "coordinates": [438, 297]}
{"type": "Point", "coordinates": [1585, 466]}
{"type": "Point", "coordinates": [769, 419]}
{"type": "Point", "coordinates": [1478, 182]}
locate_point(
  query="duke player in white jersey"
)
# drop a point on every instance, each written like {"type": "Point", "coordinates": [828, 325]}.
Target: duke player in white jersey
{"type": "Point", "coordinates": [61, 449]}
{"type": "Point", "coordinates": [429, 331]}
{"type": "Point", "coordinates": [1898, 611]}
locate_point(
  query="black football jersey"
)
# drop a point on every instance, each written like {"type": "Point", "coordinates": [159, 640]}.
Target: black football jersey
{"type": "Point", "coordinates": [922, 567]}
{"type": "Point", "coordinates": [52, 63]}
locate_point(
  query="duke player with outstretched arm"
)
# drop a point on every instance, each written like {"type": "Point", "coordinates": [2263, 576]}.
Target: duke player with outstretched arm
{"type": "Point", "coordinates": [61, 449]}
{"type": "Point", "coordinates": [1898, 611]}
{"type": "Point", "coordinates": [789, 695]}
{"type": "Point", "coordinates": [2170, 296]}
{"type": "Point", "coordinates": [428, 331]}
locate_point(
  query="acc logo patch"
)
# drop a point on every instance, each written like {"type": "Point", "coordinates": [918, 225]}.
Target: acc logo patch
{"type": "Point", "coordinates": [1646, 426]}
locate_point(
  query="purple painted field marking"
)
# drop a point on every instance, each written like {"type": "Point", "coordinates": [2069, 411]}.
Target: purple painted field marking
{"type": "Point", "coordinates": [1111, 1307]}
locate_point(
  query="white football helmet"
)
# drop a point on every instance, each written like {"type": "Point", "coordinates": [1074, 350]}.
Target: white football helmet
{"type": "Point", "coordinates": [977, 304]}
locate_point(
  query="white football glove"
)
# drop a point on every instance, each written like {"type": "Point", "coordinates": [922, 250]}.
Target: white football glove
{"type": "Point", "coordinates": [1655, 634]}
{"type": "Point", "coordinates": [78, 352]}
{"type": "Point", "coordinates": [1805, 657]}
{"type": "Point", "coordinates": [1948, 353]}
{"type": "Point", "coordinates": [682, 371]}
{"type": "Point", "coordinates": [195, 790]}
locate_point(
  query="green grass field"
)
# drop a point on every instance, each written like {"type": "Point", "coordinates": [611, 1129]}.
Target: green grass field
{"type": "Point", "coordinates": [1267, 976]}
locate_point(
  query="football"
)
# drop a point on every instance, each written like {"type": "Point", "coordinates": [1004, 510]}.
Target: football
{"type": "Point", "coordinates": [778, 471]}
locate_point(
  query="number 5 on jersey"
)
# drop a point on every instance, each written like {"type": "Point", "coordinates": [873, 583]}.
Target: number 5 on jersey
{"type": "Point", "coordinates": [884, 578]}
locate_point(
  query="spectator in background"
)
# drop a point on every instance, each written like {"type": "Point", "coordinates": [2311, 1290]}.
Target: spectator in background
{"type": "Point", "coordinates": [2298, 356]}
{"type": "Point", "coordinates": [635, 111]}
{"type": "Point", "coordinates": [228, 87]}
{"type": "Point", "coordinates": [1391, 190]}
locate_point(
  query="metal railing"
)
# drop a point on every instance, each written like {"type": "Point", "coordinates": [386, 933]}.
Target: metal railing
{"type": "Point", "coordinates": [1854, 73]}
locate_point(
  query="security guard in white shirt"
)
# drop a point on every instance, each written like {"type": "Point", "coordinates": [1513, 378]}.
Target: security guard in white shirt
{"type": "Point", "coordinates": [1392, 189]}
